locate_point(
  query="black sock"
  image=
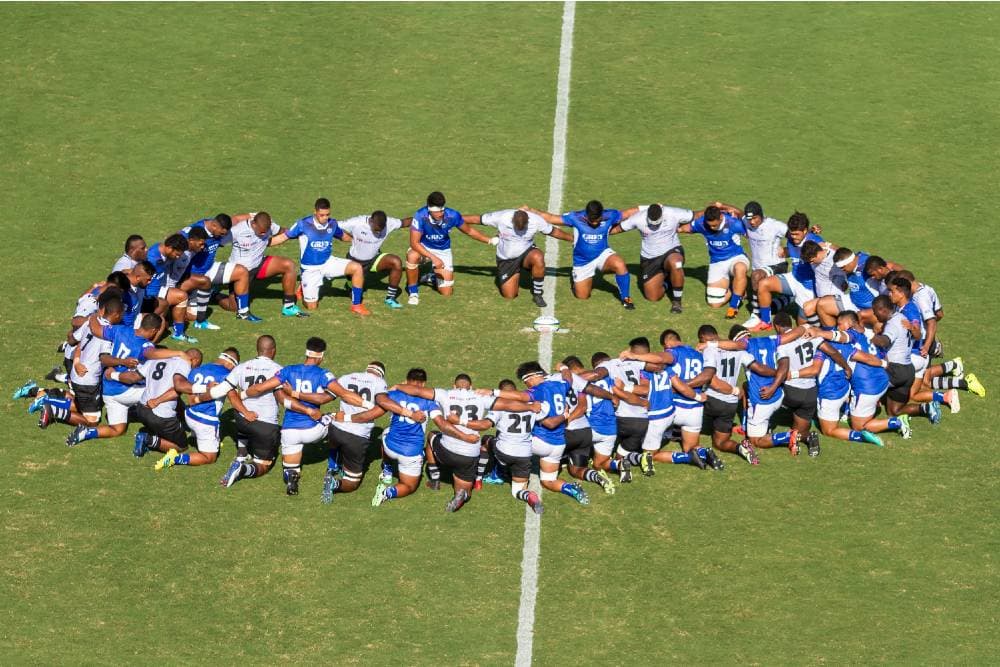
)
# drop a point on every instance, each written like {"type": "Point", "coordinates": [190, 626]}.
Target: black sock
{"type": "Point", "coordinates": [949, 367]}
{"type": "Point", "coordinates": [288, 300]}
{"type": "Point", "coordinates": [248, 470]}
{"type": "Point", "coordinates": [433, 472]}
{"type": "Point", "coordinates": [523, 495]}
{"type": "Point", "coordinates": [484, 460]}
{"type": "Point", "coordinates": [949, 383]}
{"type": "Point", "coordinates": [676, 293]}
{"type": "Point", "coordinates": [592, 476]}
{"type": "Point", "coordinates": [287, 468]}
{"type": "Point", "coordinates": [633, 457]}
{"type": "Point", "coordinates": [537, 286]}
{"type": "Point", "coordinates": [392, 292]}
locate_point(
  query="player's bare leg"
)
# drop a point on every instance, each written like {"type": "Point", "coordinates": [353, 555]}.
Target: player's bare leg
{"type": "Point", "coordinates": [519, 489]}
{"type": "Point", "coordinates": [446, 282]}
{"type": "Point", "coordinates": [653, 289]}
{"type": "Point", "coordinates": [739, 289]}
{"type": "Point", "coordinates": [724, 442]}
{"type": "Point", "coordinates": [284, 267]}
{"type": "Point", "coordinates": [675, 265]}
{"type": "Point", "coordinates": [356, 273]}
{"type": "Point", "coordinates": [717, 294]}
{"type": "Point", "coordinates": [433, 472]}
{"type": "Point", "coordinates": [177, 300]}
{"type": "Point", "coordinates": [583, 288]}
{"type": "Point", "coordinates": [548, 473]}
{"type": "Point", "coordinates": [394, 266]}
{"type": "Point", "coordinates": [412, 271]}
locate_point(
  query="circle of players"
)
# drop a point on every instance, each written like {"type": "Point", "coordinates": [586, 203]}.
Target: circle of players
{"type": "Point", "coordinates": [862, 340]}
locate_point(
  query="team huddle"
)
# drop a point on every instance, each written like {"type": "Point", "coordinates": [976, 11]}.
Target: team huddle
{"type": "Point", "coordinates": [845, 345]}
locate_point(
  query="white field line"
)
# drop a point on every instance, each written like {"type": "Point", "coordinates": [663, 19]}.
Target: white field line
{"type": "Point", "coordinates": [532, 521]}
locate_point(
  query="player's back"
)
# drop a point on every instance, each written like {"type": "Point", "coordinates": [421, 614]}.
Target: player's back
{"type": "Point", "coordinates": [255, 371]}
{"type": "Point", "coordinates": [551, 393]}
{"type": "Point", "coordinates": [405, 436]}
{"type": "Point", "coordinates": [601, 411]}
{"type": "Point", "coordinates": [688, 364]}
{"type": "Point", "coordinates": [661, 394]}
{"type": "Point", "coordinates": [123, 343]}
{"type": "Point", "coordinates": [159, 374]}
{"type": "Point", "coordinates": [865, 379]}
{"type": "Point", "coordinates": [763, 350]}
{"type": "Point", "coordinates": [368, 386]}
{"type": "Point", "coordinates": [800, 353]}
{"type": "Point", "coordinates": [200, 377]}
{"type": "Point", "coordinates": [832, 379]}
{"type": "Point", "coordinates": [307, 378]}
{"type": "Point", "coordinates": [467, 404]}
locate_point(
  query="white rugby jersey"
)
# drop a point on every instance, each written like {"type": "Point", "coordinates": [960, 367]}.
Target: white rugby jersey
{"type": "Point", "coordinates": [248, 248]}
{"type": "Point", "coordinates": [124, 263]}
{"type": "Point", "coordinates": [800, 353]}
{"type": "Point", "coordinates": [514, 432]}
{"type": "Point", "coordinates": [460, 402]}
{"type": "Point", "coordinates": [658, 239]}
{"type": "Point", "coordinates": [926, 299]}
{"type": "Point", "coordinates": [368, 386]}
{"type": "Point", "coordinates": [91, 349]}
{"type": "Point", "coordinates": [825, 285]}
{"type": "Point", "coordinates": [366, 244]}
{"type": "Point", "coordinates": [900, 340]}
{"type": "Point", "coordinates": [727, 369]}
{"type": "Point", "coordinates": [255, 371]}
{"type": "Point", "coordinates": [159, 374]}
{"type": "Point", "coordinates": [513, 243]}
{"type": "Point", "coordinates": [626, 371]}
{"type": "Point", "coordinates": [86, 306]}
{"type": "Point", "coordinates": [573, 397]}
{"type": "Point", "coordinates": [765, 241]}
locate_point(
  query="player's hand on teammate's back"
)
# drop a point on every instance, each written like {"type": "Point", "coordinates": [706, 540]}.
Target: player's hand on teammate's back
{"type": "Point", "coordinates": [250, 416]}
{"type": "Point", "coordinates": [80, 368]}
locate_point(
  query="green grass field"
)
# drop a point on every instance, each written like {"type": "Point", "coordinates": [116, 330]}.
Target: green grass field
{"type": "Point", "coordinates": [879, 121]}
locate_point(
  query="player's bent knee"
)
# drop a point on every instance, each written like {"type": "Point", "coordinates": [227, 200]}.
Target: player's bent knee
{"type": "Point", "coordinates": [446, 283]}
{"type": "Point", "coordinates": [352, 477]}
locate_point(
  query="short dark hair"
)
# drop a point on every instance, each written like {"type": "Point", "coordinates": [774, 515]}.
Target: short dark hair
{"type": "Point", "coordinates": [176, 242]}
{"type": "Point", "coordinates": [147, 267]}
{"type": "Point", "coordinates": [782, 319]}
{"type": "Point", "coordinates": [463, 377]}
{"type": "Point", "coordinates": [264, 217]}
{"type": "Point", "coordinates": [572, 361]}
{"type": "Point", "coordinates": [809, 250]}
{"type": "Point", "coordinates": [598, 357]}
{"type": "Point", "coordinates": [798, 222]}
{"type": "Point", "coordinates": [436, 199]}
{"type": "Point", "coordinates": [316, 344]}
{"type": "Point", "coordinates": [882, 302]}
{"type": "Point", "coordinates": [736, 330]}
{"type": "Point", "coordinates": [654, 212]}
{"type": "Point", "coordinates": [150, 321]}
{"type": "Point", "coordinates": [903, 285]}
{"type": "Point", "coordinates": [667, 334]}
{"type": "Point", "coordinates": [594, 210]}
{"type": "Point", "coordinates": [850, 316]}
{"type": "Point", "coordinates": [640, 341]}
{"type": "Point", "coordinates": [118, 279]}
{"type": "Point", "coordinates": [528, 368]}
{"type": "Point", "coordinates": [378, 364]}
{"type": "Point", "coordinates": [416, 375]}
{"type": "Point", "coordinates": [198, 234]}
{"type": "Point", "coordinates": [712, 213]}
{"type": "Point", "coordinates": [379, 218]}
{"type": "Point", "coordinates": [507, 385]}
{"type": "Point", "coordinates": [132, 239]}
{"type": "Point", "coordinates": [889, 277]}
{"type": "Point", "coordinates": [906, 273]}
{"type": "Point", "coordinates": [109, 294]}
{"type": "Point", "coordinates": [322, 204]}
{"type": "Point", "coordinates": [224, 221]}
{"type": "Point", "coordinates": [841, 254]}
{"type": "Point", "coordinates": [874, 262]}
{"type": "Point", "coordinates": [112, 305]}
{"type": "Point", "coordinates": [520, 217]}
{"type": "Point", "coordinates": [707, 331]}
{"type": "Point", "coordinates": [232, 352]}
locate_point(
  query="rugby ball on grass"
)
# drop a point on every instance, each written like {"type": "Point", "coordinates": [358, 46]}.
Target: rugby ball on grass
{"type": "Point", "coordinates": [546, 324]}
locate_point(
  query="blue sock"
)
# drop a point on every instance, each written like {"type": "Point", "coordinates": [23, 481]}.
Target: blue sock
{"type": "Point", "coordinates": [391, 492]}
{"type": "Point", "coordinates": [566, 489]}
{"type": "Point", "coordinates": [356, 293]}
{"type": "Point", "coordinates": [331, 461]}
{"type": "Point", "coordinates": [183, 460]}
{"type": "Point", "coordinates": [703, 453]}
{"type": "Point", "coordinates": [938, 396]}
{"type": "Point", "coordinates": [781, 439]}
{"type": "Point", "coordinates": [623, 285]}
{"type": "Point", "coordinates": [680, 457]}
{"type": "Point", "coordinates": [90, 433]}
{"type": "Point", "coordinates": [58, 403]}
{"type": "Point", "coordinates": [895, 423]}
{"type": "Point", "coordinates": [613, 465]}
{"type": "Point", "coordinates": [179, 328]}
{"type": "Point", "coordinates": [765, 314]}
{"type": "Point", "coordinates": [412, 289]}
{"type": "Point", "coordinates": [242, 302]}
{"type": "Point", "coordinates": [855, 436]}
{"type": "Point", "coordinates": [735, 300]}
